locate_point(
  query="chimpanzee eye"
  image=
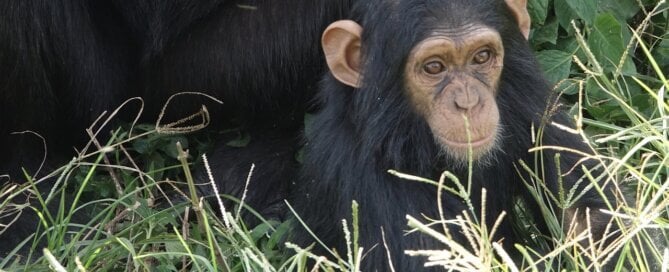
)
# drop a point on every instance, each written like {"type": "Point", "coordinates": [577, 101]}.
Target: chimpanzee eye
{"type": "Point", "coordinates": [434, 67]}
{"type": "Point", "coordinates": [482, 56]}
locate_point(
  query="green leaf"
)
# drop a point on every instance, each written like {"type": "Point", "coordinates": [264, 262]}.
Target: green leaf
{"type": "Point", "coordinates": [156, 162]}
{"type": "Point", "coordinates": [142, 146]}
{"type": "Point", "coordinates": [545, 34]}
{"type": "Point", "coordinates": [643, 103]}
{"type": "Point", "coordinates": [586, 9]}
{"type": "Point", "coordinates": [538, 10]}
{"type": "Point", "coordinates": [282, 231]}
{"type": "Point", "coordinates": [308, 125]}
{"type": "Point", "coordinates": [568, 87]}
{"type": "Point", "coordinates": [170, 148]}
{"type": "Point", "coordinates": [242, 141]}
{"type": "Point", "coordinates": [570, 44]}
{"type": "Point", "coordinates": [623, 10]}
{"type": "Point", "coordinates": [556, 64]}
{"type": "Point", "coordinates": [564, 14]}
{"type": "Point", "coordinates": [661, 53]}
{"type": "Point", "coordinates": [607, 43]}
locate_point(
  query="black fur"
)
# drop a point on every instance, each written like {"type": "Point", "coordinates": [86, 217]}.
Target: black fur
{"type": "Point", "coordinates": [64, 62]}
{"type": "Point", "coordinates": [361, 133]}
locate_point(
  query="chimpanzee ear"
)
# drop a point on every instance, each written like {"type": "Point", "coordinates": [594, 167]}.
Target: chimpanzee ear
{"type": "Point", "coordinates": [519, 9]}
{"type": "Point", "coordinates": [341, 45]}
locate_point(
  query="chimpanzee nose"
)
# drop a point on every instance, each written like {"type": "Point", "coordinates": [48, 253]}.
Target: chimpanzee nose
{"type": "Point", "coordinates": [466, 99]}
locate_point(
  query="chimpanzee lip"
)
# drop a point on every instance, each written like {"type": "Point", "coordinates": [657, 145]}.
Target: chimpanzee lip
{"type": "Point", "coordinates": [474, 144]}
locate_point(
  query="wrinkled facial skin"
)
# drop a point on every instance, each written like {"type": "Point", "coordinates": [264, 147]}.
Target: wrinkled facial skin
{"type": "Point", "coordinates": [452, 79]}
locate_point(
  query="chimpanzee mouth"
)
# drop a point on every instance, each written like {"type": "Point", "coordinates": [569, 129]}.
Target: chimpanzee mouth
{"type": "Point", "coordinates": [482, 150]}
{"type": "Point", "coordinates": [475, 144]}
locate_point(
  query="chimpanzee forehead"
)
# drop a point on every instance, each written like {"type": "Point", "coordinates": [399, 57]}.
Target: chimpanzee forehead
{"type": "Point", "coordinates": [457, 45]}
{"type": "Point", "coordinates": [458, 32]}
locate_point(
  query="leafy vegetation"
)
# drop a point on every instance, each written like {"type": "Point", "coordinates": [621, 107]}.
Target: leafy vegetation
{"type": "Point", "coordinates": [609, 60]}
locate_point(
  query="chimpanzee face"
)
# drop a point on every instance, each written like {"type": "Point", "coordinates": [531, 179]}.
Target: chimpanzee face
{"type": "Point", "coordinates": [451, 78]}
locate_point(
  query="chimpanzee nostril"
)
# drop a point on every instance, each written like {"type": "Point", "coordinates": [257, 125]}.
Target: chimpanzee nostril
{"type": "Point", "coordinates": [465, 99]}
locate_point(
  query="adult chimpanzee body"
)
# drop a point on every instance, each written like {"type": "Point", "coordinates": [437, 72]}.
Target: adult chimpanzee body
{"type": "Point", "coordinates": [404, 74]}
{"type": "Point", "coordinates": [64, 62]}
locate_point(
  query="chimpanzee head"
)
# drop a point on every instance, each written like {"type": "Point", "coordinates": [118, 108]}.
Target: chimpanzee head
{"type": "Point", "coordinates": [446, 56]}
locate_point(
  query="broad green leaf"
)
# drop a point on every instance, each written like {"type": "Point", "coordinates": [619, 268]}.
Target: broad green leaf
{"type": "Point", "coordinates": [607, 43]}
{"type": "Point", "coordinates": [564, 14]}
{"type": "Point", "coordinates": [568, 87]}
{"type": "Point", "coordinates": [556, 64]}
{"type": "Point", "coordinates": [170, 148]}
{"type": "Point", "coordinates": [661, 53]}
{"type": "Point", "coordinates": [545, 34]}
{"type": "Point", "coordinates": [623, 10]}
{"type": "Point", "coordinates": [567, 44]}
{"type": "Point", "coordinates": [538, 10]}
{"type": "Point", "coordinates": [142, 146]}
{"type": "Point", "coordinates": [586, 9]}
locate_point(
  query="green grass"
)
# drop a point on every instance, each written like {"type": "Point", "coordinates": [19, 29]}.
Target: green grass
{"type": "Point", "coordinates": [128, 182]}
